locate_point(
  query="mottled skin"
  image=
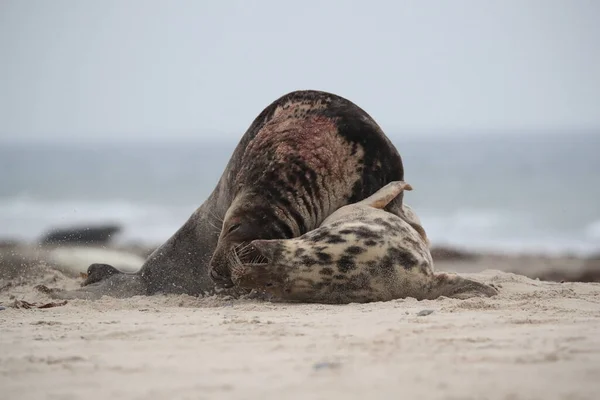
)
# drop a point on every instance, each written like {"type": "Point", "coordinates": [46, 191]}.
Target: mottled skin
{"type": "Point", "coordinates": [306, 155]}
{"type": "Point", "coordinates": [360, 253]}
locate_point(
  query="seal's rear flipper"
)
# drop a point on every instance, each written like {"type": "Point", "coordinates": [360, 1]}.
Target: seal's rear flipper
{"type": "Point", "coordinates": [119, 286]}
{"type": "Point", "coordinates": [381, 198]}
{"type": "Point", "coordinates": [386, 195]}
{"type": "Point", "coordinates": [454, 286]}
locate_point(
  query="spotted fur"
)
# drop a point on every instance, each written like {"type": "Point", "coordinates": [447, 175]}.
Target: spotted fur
{"type": "Point", "coordinates": [376, 256]}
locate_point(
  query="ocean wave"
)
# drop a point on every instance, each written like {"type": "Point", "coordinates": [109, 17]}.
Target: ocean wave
{"type": "Point", "coordinates": [593, 231]}
{"type": "Point", "coordinates": [508, 232]}
{"type": "Point", "coordinates": [26, 218]}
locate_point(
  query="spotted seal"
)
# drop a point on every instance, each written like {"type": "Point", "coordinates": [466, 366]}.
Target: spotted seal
{"type": "Point", "coordinates": [304, 156]}
{"type": "Point", "coordinates": [360, 253]}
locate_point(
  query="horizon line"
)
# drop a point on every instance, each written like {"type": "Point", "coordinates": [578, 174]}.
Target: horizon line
{"type": "Point", "coordinates": [221, 138]}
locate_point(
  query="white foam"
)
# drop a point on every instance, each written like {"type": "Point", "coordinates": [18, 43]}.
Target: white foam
{"type": "Point", "coordinates": [27, 219]}
{"type": "Point", "coordinates": [508, 232]}
{"type": "Point", "coordinates": [74, 260]}
{"type": "Point", "coordinates": [24, 218]}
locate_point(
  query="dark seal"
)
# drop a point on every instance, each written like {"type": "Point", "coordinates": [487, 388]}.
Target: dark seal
{"type": "Point", "coordinates": [305, 156]}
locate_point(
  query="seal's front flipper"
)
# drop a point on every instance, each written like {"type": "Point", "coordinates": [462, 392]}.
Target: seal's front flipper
{"type": "Point", "coordinates": [454, 286]}
{"type": "Point", "coordinates": [119, 286]}
{"type": "Point", "coordinates": [263, 277]}
{"type": "Point", "coordinates": [99, 272]}
{"type": "Point", "coordinates": [253, 276]}
{"type": "Point", "coordinates": [386, 194]}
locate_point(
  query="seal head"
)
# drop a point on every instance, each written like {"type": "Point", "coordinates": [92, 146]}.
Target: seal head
{"type": "Point", "coordinates": [315, 153]}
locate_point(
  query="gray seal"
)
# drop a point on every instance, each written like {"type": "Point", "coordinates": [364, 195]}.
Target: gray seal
{"type": "Point", "coordinates": [306, 155]}
{"type": "Point", "coordinates": [360, 253]}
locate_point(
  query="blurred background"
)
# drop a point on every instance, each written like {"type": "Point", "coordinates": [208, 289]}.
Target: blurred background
{"type": "Point", "coordinates": [127, 112]}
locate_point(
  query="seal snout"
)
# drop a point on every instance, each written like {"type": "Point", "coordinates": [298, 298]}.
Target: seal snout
{"type": "Point", "coordinates": [221, 281]}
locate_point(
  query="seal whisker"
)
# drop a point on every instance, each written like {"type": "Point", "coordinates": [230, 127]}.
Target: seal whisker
{"type": "Point", "coordinates": [215, 216]}
{"type": "Point", "coordinates": [217, 228]}
{"type": "Point", "coordinates": [245, 250]}
{"type": "Point", "coordinates": [236, 259]}
{"type": "Point", "coordinates": [259, 259]}
{"type": "Point", "coordinates": [236, 250]}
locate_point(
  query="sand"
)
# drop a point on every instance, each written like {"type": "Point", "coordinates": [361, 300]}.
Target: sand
{"type": "Point", "coordinates": [536, 340]}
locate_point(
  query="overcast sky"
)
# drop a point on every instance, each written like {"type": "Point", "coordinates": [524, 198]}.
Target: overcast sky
{"type": "Point", "coordinates": [95, 70]}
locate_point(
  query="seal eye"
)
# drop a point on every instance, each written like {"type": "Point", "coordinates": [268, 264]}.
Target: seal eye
{"type": "Point", "coordinates": [233, 228]}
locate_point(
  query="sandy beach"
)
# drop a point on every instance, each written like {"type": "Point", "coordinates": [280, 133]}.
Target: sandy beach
{"type": "Point", "coordinates": [204, 133]}
{"type": "Point", "coordinates": [536, 340]}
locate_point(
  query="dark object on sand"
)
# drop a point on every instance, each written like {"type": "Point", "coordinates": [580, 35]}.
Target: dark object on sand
{"type": "Point", "coordinates": [450, 254]}
{"type": "Point", "coordinates": [589, 273]}
{"type": "Point", "coordinates": [81, 235]}
{"type": "Point", "coordinates": [8, 243]}
{"type": "Point", "coordinates": [22, 304]}
{"type": "Point", "coordinates": [326, 365]}
{"type": "Point", "coordinates": [99, 272]}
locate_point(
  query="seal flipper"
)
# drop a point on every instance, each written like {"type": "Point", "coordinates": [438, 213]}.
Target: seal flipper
{"type": "Point", "coordinates": [257, 276]}
{"type": "Point", "coordinates": [263, 276]}
{"type": "Point", "coordinates": [385, 195]}
{"type": "Point", "coordinates": [456, 287]}
{"type": "Point", "coordinates": [99, 272]}
{"type": "Point", "coordinates": [388, 198]}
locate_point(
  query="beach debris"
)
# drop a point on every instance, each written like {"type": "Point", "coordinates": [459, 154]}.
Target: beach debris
{"type": "Point", "coordinates": [8, 243]}
{"type": "Point", "coordinates": [326, 365]}
{"type": "Point", "coordinates": [449, 254]}
{"type": "Point", "coordinates": [424, 313]}
{"type": "Point", "coordinates": [45, 289]}
{"type": "Point", "coordinates": [2, 308]}
{"type": "Point", "coordinates": [51, 305]}
{"type": "Point", "coordinates": [22, 304]}
{"type": "Point", "coordinates": [46, 323]}
{"type": "Point", "coordinates": [5, 284]}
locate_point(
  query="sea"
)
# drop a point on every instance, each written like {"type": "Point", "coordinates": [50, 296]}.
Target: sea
{"type": "Point", "coordinates": [507, 193]}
